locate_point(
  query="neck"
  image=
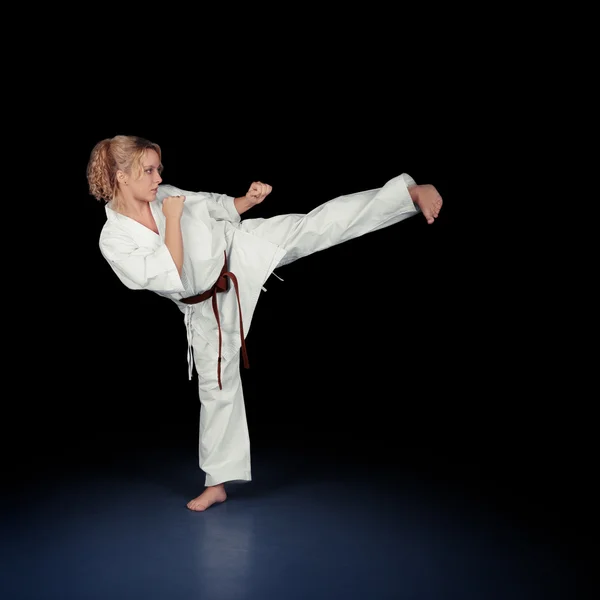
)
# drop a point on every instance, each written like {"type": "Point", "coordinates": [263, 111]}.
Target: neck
{"type": "Point", "coordinates": [130, 207]}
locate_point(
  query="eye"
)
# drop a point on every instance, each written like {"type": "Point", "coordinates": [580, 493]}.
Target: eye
{"type": "Point", "coordinates": [149, 171]}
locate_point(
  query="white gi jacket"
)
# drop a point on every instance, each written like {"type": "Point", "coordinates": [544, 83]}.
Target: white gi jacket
{"type": "Point", "coordinates": [209, 226]}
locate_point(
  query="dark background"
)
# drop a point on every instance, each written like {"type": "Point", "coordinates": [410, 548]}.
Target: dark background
{"type": "Point", "coordinates": [444, 349]}
{"type": "Point", "coordinates": [403, 336]}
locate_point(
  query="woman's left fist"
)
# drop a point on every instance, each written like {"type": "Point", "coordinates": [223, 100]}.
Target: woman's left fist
{"type": "Point", "coordinates": [258, 192]}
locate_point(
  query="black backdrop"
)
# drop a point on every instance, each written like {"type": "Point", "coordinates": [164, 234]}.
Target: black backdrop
{"type": "Point", "coordinates": [414, 335]}
{"type": "Point", "coordinates": [418, 343]}
{"type": "Point", "coordinates": [388, 336]}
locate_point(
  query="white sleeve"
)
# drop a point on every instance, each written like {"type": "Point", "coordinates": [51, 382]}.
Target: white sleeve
{"type": "Point", "coordinates": [141, 268]}
{"type": "Point", "coordinates": [221, 207]}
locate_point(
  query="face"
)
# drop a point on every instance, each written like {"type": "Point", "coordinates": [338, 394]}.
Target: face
{"type": "Point", "coordinates": [144, 189]}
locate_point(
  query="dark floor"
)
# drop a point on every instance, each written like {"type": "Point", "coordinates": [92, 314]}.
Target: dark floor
{"type": "Point", "coordinates": [309, 526]}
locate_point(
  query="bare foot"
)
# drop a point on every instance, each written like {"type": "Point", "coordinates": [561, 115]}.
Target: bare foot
{"type": "Point", "coordinates": [429, 201]}
{"type": "Point", "coordinates": [211, 495]}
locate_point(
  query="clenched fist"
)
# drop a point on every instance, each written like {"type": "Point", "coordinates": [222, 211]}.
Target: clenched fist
{"type": "Point", "coordinates": [172, 206]}
{"type": "Point", "coordinates": [258, 192]}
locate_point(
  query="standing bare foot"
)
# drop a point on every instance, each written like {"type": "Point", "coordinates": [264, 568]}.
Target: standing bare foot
{"type": "Point", "coordinates": [211, 495]}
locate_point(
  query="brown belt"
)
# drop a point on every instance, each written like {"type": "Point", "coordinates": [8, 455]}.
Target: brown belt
{"type": "Point", "coordinates": [221, 285]}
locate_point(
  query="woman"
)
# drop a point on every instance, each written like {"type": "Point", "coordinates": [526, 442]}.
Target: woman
{"type": "Point", "coordinates": [193, 248]}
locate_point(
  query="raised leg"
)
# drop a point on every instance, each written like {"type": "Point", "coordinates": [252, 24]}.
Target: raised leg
{"type": "Point", "coordinates": [337, 220]}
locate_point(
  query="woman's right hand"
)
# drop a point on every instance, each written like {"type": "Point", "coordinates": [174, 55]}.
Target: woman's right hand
{"type": "Point", "coordinates": [172, 206]}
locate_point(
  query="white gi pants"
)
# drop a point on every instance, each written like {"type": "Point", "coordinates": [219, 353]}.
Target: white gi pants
{"type": "Point", "coordinates": [224, 446]}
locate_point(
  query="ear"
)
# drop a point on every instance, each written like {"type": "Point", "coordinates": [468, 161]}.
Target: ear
{"type": "Point", "coordinates": [121, 178]}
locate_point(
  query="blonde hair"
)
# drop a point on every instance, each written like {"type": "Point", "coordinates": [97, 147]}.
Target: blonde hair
{"type": "Point", "coordinates": [120, 153]}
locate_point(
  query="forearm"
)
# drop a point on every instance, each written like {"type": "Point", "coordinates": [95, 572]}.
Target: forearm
{"type": "Point", "coordinates": [242, 204]}
{"type": "Point", "coordinates": [174, 242]}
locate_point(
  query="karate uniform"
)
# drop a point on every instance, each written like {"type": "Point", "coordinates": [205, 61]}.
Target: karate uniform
{"type": "Point", "coordinates": [212, 229]}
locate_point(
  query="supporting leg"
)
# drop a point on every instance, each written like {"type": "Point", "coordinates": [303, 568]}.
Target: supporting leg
{"type": "Point", "coordinates": [224, 441]}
